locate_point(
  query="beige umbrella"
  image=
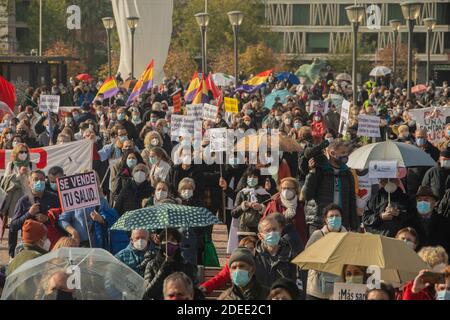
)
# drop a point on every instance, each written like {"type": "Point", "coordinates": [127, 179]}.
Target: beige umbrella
{"type": "Point", "coordinates": [344, 77]}
{"type": "Point", "coordinates": [398, 262]}
{"type": "Point", "coordinates": [260, 141]}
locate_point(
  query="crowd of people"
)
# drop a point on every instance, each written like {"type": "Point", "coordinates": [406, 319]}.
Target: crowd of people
{"type": "Point", "coordinates": [272, 218]}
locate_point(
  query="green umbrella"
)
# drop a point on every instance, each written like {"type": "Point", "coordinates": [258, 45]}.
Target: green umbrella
{"type": "Point", "coordinates": [165, 216]}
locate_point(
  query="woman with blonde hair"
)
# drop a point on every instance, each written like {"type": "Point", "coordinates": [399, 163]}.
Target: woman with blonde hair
{"type": "Point", "coordinates": [20, 157]}
{"type": "Point", "coordinates": [159, 164]}
{"type": "Point", "coordinates": [66, 242]}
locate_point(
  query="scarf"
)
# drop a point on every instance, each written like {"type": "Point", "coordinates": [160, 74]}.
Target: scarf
{"type": "Point", "coordinates": [291, 206]}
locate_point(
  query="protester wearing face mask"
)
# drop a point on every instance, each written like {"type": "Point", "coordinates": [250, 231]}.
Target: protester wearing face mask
{"type": "Point", "coordinates": [287, 124]}
{"type": "Point", "coordinates": [388, 210]}
{"type": "Point", "coordinates": [152, 140]}
{"type": "Point", "coordinates": [20, 157]}
{"type": "Point", "coordinates": [287, 203]}
{"type": "Point", "coordinates": [53, 174]}
{"type": "Point", "coordinates": [35, 244]}
{"type": "Point", "coordinates": [332, 182]}
{"type": "Point", "coordinates": [404, 135]}
{"type": "Point", "coordinates": [354, 274]}
{"type": "Point", "coordinates": [409, 236]}
{"type": "Point", "coordinates": [128, 125]}
{"type": "Point", "coordinates": [436, 178]}
{"type": "Point", "coordinates": [419, 289]}
{"type": "Point", "coordinates": [163, 128]}
{"type": "Point", "coordinates": [122, 172]}
{"type": "Point", "coordinates": [133, 254]}
{"type": "Point", "coordinates": [159, 164]}
{"type": "Point", "coordinates": [318, 127]}
{"type": "Point", "coordinates": [249, 204]}
{"type": "Point", "coordinates": [134, 190]}
{"type": "Point", "coordinates": [167, 261]}
{"type": "Point", "coordinates": [273, 254]}
{"type": "Point", "coordinates": [320, 284]}
{"type": "Point", "coordinates": [244, 283]}
{"type": "Point", "coordinates": [161, 195]}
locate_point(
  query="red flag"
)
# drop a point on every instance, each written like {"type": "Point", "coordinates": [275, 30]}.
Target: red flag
{"type": "Point", "coordinates": [212, 87]}
{"type": "Point", "coordinates": [7, 93]}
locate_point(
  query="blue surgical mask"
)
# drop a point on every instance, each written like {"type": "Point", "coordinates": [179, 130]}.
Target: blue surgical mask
{"type": "Point", "coordinates": [448, 132]}
{"type": "Point", "coordinates": [39, 186]}
{"type": "Point", "coordinates": [152, 160]}
{"type": "Point", "coordinates": [272, 238]}
{"type": "Point", "coordinates": [421, 141]}
{"type": "Point", "coordinates": [443, 295]}
{"type": "Point", "coordinates": [240, 277]}
{"type": "Point", "coordinates": [334, 223]}
{"type": "Point", "coordinates": [423, 207]}
{"type": "Point", "coordinates": [297, 125]}
{"type": "Point", "coordinates": [121, 116]}
{"type": "Point", "coordinates": [53, 186]}
{"type": "Point", "coordinates": [123, 138]}
{"type": "Point", "coordinates": [131, 163]}
{"type": "Point", "coordinates": [252, 182]}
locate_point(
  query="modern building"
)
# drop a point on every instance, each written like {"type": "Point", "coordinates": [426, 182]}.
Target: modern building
{"type": "Point", "coordinates": [319, 28]}
{"type": "Point", "coordinates": [12, 25]}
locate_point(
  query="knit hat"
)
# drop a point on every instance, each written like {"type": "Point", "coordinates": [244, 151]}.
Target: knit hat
{"type": "Point", "coordinates": [242, 254]}
{"type": "Point", "coordinates": [287, 285]}
{"type": "Point", "coordinates": [425, 191]}
{"type": "Point", "coordinates": [33, 231]}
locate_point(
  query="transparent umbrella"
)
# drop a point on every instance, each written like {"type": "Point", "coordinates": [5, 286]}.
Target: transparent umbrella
{"type": "Point", "coordinates": [81, 273]}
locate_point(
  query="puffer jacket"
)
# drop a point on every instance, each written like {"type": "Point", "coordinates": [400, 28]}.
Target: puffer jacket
{"type": "Point", "coordinates": [131, 196]}
{"type": "Point", "coordinates": [254, 291]}
{"type": "Point", "coordinates": [133, 257]}
{"type": "Point", "coordinates": [319, 192]}
{"type": "Point", "coordinates": [437, 179]}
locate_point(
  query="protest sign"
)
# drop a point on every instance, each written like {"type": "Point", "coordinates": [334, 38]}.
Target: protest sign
{"type": "Point", "coordinates": [78, 191]}
{"type": "Point", "coordinates": [231, 105]}
{"type": "Point", "coordinates": [345, 113]}
{"type": "Point", "coordinates": [70, 156]}
{"type": "Point", "coordinates": [364, 190]}
{"type": "Point", "coordinates": [318, 105]}
{"type": "Point", "coordinates": [383, 169]}
{"type": "Point", "coordinates": [181, 125]}
{"type": "Point", "coordinates": [195, 110]}
{"type": "Point", "coordinates": [349, 291]}
{"type": "Point", "coordinates": [218, 139]}
{"type": "Point", "coordinates": [337, 100]}
{"type": "Point", "coordinates": [49, 103]}
{"type": "Point", "coordinates": [210, 112]}
{"type": "Point", "coordinates": [432, 119]}
{"type": "Point", "coordinates": [368, 126]}
{"type": "Point", "coordinates": [176, 101]}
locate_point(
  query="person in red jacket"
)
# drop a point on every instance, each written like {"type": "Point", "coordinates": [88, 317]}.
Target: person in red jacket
{"type": "Point", "coordinates": [419, 289]}
{"type": "Point", "coordinates": [319, 127]}
{"type": "Point", "coordinates": [221, 279]}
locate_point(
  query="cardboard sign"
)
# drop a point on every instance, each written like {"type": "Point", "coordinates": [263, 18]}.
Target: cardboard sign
{"type": "Point", "coordinates": [176, 101]}
{"type": "Point", "coordinates": [383, 169]}
{"type": "Point", "coordinates": [49, 103]}
{"type": "Point", "coordinates": [231, 105]}
{"type": "Point", "coordinates": [347, 291]}
{"type": "Point", "coordinates": [195, 110]}
{"type": "Point", "coordinates": [78, 191]}
{"type": "Point", "coordinates": [432, 119]}
{"type": "Point", "coordinates": [368, 126]}
{"type": "Point", "coordinates": [345, 114]}
{"type": "Point", "coordinates": [318, 105]}
{"type": "Point", "coordinates": [218, 139]}
{"type": "Point", "coordinates": [210, 112]}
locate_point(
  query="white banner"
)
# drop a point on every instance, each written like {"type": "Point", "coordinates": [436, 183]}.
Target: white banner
{"type": "Point", "coordinates": [210, 112]}
{"type": "Point", "coordinates": [73, 157]}
{"type": "Point", "coordinates": [345, 113]}
{"type": "Point", "coordinates": [432, 119]}
{"type": "Point", "coordinates": [368, 126]}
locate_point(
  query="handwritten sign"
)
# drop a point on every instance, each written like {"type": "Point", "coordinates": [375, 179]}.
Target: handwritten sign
{"type": "Point", "coordinates": [347, 291]}
{"type": "Point", "coordinates": [318, 105]}
{"type": "Point", "coordinates": [49, 103]}
{"type": "Point", "coordinates": [218, 139]}
{"type": "Point", "coordinates": [432, 119]}
{"type": "Point", "coordinates": [78, 191]}
{"type": "Point", "coordinates": [181, 126]}
{"type": "Point", "coordinates": [210, 112]}
{"type": "Point", "coordinates": [231, 105]}
{"type": "Point", "coordinates": [195, 110]}
{"type": "Point", "coordinates": [345, 113]}
{"type": "Point", "coordinates": [383, 169]}
{"type": "Point", "coordinates": [368, 126]}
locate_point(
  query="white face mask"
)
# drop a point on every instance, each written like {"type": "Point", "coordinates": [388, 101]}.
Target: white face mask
{"type": "Point", "coordinates": [186, 194]}
{"type": "Point", "coordinates": [46, 245]}
{"type": "Point", "coordinates": [161, 195]}
{"type": "Point", "coordinates": [22, 156]}
{"type": "Point", "coordinates": [445, 164]}
{"type": "Point", "coordinates": [288, 194]}
{"type": "Point", "coordinates": [140, 244]}
{"type": "Point", "coordinates": [139, 176]}
{"type": "Point", "coordinates": [390, 187]}
{"type": "Point", "coordinates": [154, 142]}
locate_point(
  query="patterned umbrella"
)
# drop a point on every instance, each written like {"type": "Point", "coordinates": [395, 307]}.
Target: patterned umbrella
{"type": "Point", "coordinates": [165, 216]}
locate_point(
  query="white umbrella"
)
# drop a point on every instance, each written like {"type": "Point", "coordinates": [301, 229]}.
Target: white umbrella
{"type": "Point", "coordinates": [223, 80]}
{"type": "Point", "coordinates": [406, 155]}
{"type": "Point", "coordinates": [380, 71]}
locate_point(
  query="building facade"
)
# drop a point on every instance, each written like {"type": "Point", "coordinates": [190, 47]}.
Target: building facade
{"type": "Point", "coordinates": [12, 26]}
{"type": "Point", "coordinates": [320, 28]}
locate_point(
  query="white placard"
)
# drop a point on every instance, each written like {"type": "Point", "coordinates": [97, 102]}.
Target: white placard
{"type": "Point", "coordinates": [195, 110]}
{"type": "Point", "coordinates": [368, 126]}
{"type": "Point", "coordinates": [383, 169]}
{"type": "Point", "coordinates": [345, 113]}
{"type": "Point", "coordinates": [49, 103]}
{"type": "Point", "coordinates": [432, 119]}
{"type": "Point", "coordinates": [318, 105]}
{"type": "Point", "coordinates": [210, 112]}
{"type": "Point", "coordinates": [218, 139]}
{"type": "Point", "coordinates": [348, 291]}
{"type": "Point", "coordinates": [337, 100]}
{"type": "Point", "coordinates": [78, 191]}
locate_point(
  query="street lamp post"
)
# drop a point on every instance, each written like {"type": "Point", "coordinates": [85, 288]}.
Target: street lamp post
{"type": "Point", "coordinates": [108, 23]}
{"type": "Point", "coordinates": [236, 18]}
{"type": "Point", "coordinates": [395, 25]}
{"type": "Point", "coordinates": [430, 23]}
{"type": "Point", "coordinates": [410, 11]}
{"type": "Point", "coordinates": [132, 24]}
{"type": "Point", "coordinates": [203, 21]}
{"type": "Point", "coordinates": [355, 15]}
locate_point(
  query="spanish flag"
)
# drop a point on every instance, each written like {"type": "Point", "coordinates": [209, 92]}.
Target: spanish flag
{"type": "Point", "coordinates": [145, 83]}
{"type": "Point", "coordinates": [108, 89]}
{"type": "Point", "coordinates": [193, 87]}
{"type": "Point", "coordinates": [259, 78]}
{"type": "Point", "coordinates": [201, 95]}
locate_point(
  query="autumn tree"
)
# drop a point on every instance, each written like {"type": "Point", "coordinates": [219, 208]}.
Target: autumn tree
{"type": "Point", "coordinates": [61, 48]}
{"type": "Point", "coordinates": [180, 63]}
{"type": "Point", "coordinates": [385, 58]}
{"type": "Point", "coordinates": [257, 58]}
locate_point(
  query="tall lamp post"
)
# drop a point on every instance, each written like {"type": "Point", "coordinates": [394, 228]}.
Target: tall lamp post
{"type": "Point", "coordinates": [108, 23]}
{"type": "Point", "coordinates": [236, 18]}
{"type": "Point", "coordinates": [395, 25]}
{"type": "Point", "coordinates": [410, 11]}
{"type": "Point", "coordinates": [203, 21]}
{"type": "Point", "coordinates": [132, 24]}
{"type": "Point", "coordinates": [355, 15]}
{"type": "Point", "coordinates": [430, 23]}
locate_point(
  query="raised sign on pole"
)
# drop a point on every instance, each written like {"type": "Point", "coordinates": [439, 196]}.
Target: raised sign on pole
{"type": "Point", "coordinates": [78, 191]}
{"type": "Point", "coordinates": [349, 291]}
{"type": "Point", "coordinates": [49, 103]}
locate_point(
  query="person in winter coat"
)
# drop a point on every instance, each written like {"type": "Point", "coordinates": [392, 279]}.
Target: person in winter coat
{"type": "Point", "coordinates": [122, 172]}
{"type": "Point", "coordinates": [331, 182]}
{"type": "Point", "coordinates": [159, 165]}
{"type": "Point", "coordinates": [128, 125]}
{"type": "Point", "coordinates": [273, 254]}
{"type": "Point", "coordinates": [420, 289]}
{"type": "Point", "coordinates": [20, 157]}
{"type": "Point", "coordinates": [244, 284]}
{"type": "Point", "coordinates": [221, 279]}
{"type": "Point", "coordinates": [320, 284]}
{"type": "Point", "coordinates": [134, 190]}
{"type": "Point", "coordinates": [286, 202]}
{"type": "Point", "coordinates": [133, 254]}
{"type": "Point", "coordinates": [332, 119]}
{"type": "Point", "coordinates": [382, 218]}
{"type": "Point", "coordinates": [318, 127]}
{"type": "Point", "coordinates": [249, 205]}
{"type": "Point", "coordinates": [437, 177]}
{"type": "Point", "coordinates": [167, 261]}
